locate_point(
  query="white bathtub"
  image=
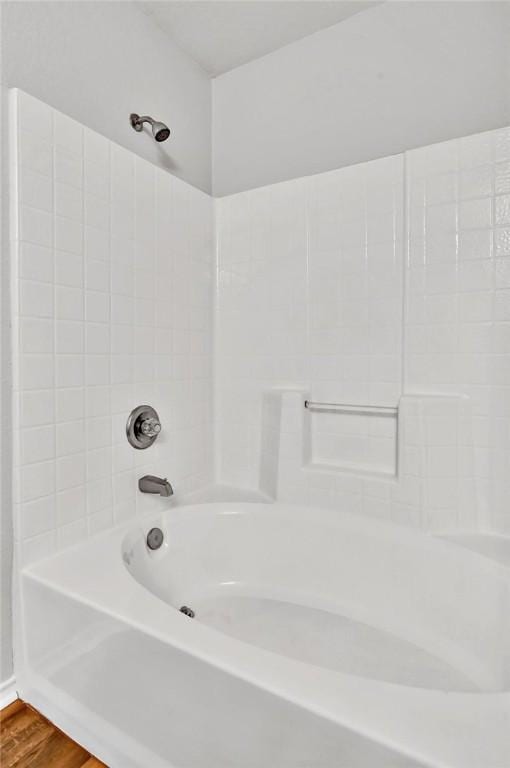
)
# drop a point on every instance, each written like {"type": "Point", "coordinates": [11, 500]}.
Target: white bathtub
{"type": "Point", "coordinates": [320, 640]}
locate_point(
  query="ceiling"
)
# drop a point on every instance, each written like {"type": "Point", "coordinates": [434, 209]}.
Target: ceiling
{"type": "Point", "coordinates": [223, 34]}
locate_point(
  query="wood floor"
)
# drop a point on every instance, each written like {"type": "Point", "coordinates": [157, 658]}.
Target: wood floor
{"type": "Point", "coordinates": [28, 740]}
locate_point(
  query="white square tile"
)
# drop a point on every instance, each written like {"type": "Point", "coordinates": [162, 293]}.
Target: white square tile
{"type": "Point", "coordinates": [97, 307]}
{"type": "Point", "coordinates": [70, 507]}
{"type": "Point", "coordinates": [97, 213]}
{"type": "Point", "coordinates": [37, 480]}
{"type": "Point", "coordinates": [69, 337]}
{"type": "Point", "coordinates": [122, 368]}
{"type": "Point", "coordinates": [475, 214]}
{"type": "Point", "coordinates": [37, 444]}
{"type": "Point", "coordinates": [475, 244]}
{"type": "Point", "coordinates": [36, 335]}
{"type": "Point", "coordinates": [502, 178]}
{"type": "Point", "coordinates": [99, 495]}
{"type": "Point", "coordinates": [69, 303]}
{"type": "Point", "coordinates": [97, 181]}
{"type": "Point", "coordinates": [122, 220]}
{"type": "Point", "coordinates": [123, 280]}
{"type": "Point", "coordinates": [122, 250]}
{"type": "Point", "coordinates": [98, 401]}
{"type": "Point", "coordinates": [69, 404]}
{"type": "Point", "coordinates": [36, 190]}
{"type": "Point", "coordinates": [502, 241]}
{"type": "Point", "coordinates": [99, 463]}
{"type": "Point", "coordinates": [502, 210]}
{"type": "Point", "coordinates": [69, 371]}
{"type": "Point", "coordinates": [97, 339]}
{"type": "Point", "coordinates": [97, 370]}
{"type": "Point", "coordinates": [502, 305]}
{"type": "Point", "coordinates": [35, 153]}
{"type": "Point", "coordinates": [68, 201]}
{"type": "Point", "coordinates": [475, 182]}
{"type": "Point", "coordinates": [123, 458]}
{"type": "Point", "coordinates": [122, 339]}
{"type": "Point", "coordinates": [37, 516]}
{"type": "Point", "coordinates": [36, 371]}
{"type": "Point", "coordinates": [35, 262]}
{"type": "Point", "coordinates": [68, 235]}
{"type": "Point", "coordinates": [70, 437]}
{"type": "Point", "coordinates": [502, 277]}
{"type": "Point", "coordinates": [36, 299]}
{"type": "Point", "coordinates": [35, 226]}
{"type": "Point", "coordinates": [68, 269]}
{"type": "Point", "coordinates": [122, 309]}
{"type": "Point", "coordinates": [97, 244]}
{"type": "Point", "coordinates": [475, 276]}
{"type": "Point", "coordinates": [98, 276]}
{"type": "Point", "coordinates": [68, 168]}
{"type": "Point", "coordinates": [37, 408]}
{"type": "Point", "coordinates": [70, 471]}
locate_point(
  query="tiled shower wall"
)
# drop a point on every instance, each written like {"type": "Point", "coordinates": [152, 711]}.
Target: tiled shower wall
{"type": "Point", "coordinates": [458, 298]}
{"type": "Point", "coordinates": [331, 285]}
{"type": "Point", "coordinates": [113, 274]}
{"type": "Point", "coordinates": [310, 297]}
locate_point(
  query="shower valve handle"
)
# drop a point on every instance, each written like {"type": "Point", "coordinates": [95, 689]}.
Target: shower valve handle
{"type": "Point", "coordinates": [150, 427]}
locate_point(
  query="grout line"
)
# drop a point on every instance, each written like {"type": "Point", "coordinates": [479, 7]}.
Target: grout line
{"type": "Point", "coordinates": [405, 250]}
{"type": "Point", "coordinates": [214, 341]}
{"type": "Point", "coordinates": [54, 319]}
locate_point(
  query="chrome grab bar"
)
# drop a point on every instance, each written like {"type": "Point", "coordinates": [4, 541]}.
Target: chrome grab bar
{"type": "Point", "coordinates": [381, 410]}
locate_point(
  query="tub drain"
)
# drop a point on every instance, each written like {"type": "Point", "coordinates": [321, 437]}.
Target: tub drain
{"type": "Point", "coordinates": [187, 611]}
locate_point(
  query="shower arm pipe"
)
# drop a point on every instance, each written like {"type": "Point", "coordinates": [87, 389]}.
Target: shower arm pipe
{"type": "Point", "coordinates": [137, 121]}
{"type": "Point", "coordinates": [381, 410]}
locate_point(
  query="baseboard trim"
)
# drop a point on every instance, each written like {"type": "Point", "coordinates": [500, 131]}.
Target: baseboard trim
{"type": "Point", "coordinates": [8, 692]}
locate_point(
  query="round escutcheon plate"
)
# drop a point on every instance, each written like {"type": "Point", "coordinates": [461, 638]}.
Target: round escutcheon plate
{"type": "Point", "coordinates": [142, 427]}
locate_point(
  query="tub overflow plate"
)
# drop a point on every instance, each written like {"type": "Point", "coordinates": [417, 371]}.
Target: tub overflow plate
{"type": "Point", "coordinates": [155, 538]}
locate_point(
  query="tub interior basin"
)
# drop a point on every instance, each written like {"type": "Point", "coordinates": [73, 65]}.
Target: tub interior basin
{"type": "Point", "coordinates": [323, 638]}
{"type": "Point", "coordinates": [334, 591]}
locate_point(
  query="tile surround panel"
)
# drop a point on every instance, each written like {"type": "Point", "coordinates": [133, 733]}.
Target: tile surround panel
{"type": "Point", "coordinates": [371, 284]}
{"type": "Point", "coordinates": [386, 283]}
{"type": "Point", "coordinates": [113, 270]}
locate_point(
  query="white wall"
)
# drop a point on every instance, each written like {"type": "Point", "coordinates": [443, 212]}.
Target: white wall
{"type": "Point", "coordinates": [100, 61]}
{"type": "Point", "coordinates": [113, 273]}
{"type": "Point", "coordinates": [398, 76]}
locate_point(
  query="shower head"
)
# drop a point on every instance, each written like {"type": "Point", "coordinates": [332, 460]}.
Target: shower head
{"type": "Point", "coordinates": [160, 131]}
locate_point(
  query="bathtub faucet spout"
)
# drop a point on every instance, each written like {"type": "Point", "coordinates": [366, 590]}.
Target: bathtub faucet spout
{"type": "Point", "coordinates": [151, 484]}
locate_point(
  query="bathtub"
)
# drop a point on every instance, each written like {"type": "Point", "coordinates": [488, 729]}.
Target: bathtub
{"type": "Point", "coordinates": [320, 640]}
